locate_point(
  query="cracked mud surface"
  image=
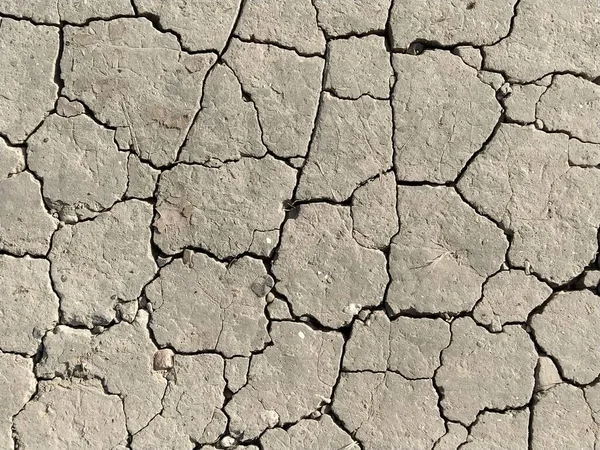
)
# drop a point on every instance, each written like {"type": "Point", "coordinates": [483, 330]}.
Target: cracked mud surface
{"type": "Point", "coordinates": [299, 225]}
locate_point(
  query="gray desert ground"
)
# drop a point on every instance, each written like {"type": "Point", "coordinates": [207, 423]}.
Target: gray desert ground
{"type": "Point", "coordinates": [299, 224]}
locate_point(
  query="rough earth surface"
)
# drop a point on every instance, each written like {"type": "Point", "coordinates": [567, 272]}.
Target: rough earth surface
{"type": "Point", "coordinates": [299, 225]}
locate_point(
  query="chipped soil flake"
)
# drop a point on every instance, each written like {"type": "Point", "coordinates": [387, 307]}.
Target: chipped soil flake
{"type": "Point", "coordinates": [67, 108]}
{"type": "Point", "coordinates": [227, 127]}
{"type": "Point", "coordinates": [471, 56]}
{"type": "Point", "coordinates": [12, 160]}
{"type": "Point", "coordinates": [236, 447]}
{"type": "Point", "coordinates": [142, 178]}
{"type": "Point", "coordinates": [412, 348]}
{"type": "Point", "coordinates": [584, 154]}
{"type": "Point", "coordinates": [571, 105]}
{"type": "Point", "coordinates": [71, 11]}
{"type": "Point", "coordinates": [323, 434]}
{"type": "Point", "coordinates": [562, 420]}
{"type": "Point", "coordinates": [509, 296]}
{"type": "Point", "coordinates": [499, 431]}
{"type": "Point", "coordinates": [278, 309]}
{"type": "Point", "coordinates": [546, 374]}
{"type": "Point", "coordinates": [346, 17]}
{"type": "Point", "coordinates": [374, 214]}
{"type": "Point", "coordinates": [359, 66]}
{"type": "Point", "coordinates": [456, 435]}
{"type": "Point", "coordinates": [236, 372]}
{"type": "Point", "coordinates": [521, 103]}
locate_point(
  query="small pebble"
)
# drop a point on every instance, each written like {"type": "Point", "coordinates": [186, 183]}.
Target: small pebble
{"type": "Point", "coordinates": [188, 258]}
{"type": "Point", "coordinates": [162, 261]}
{"type": "Point", "coordinates": [546, 81]}
{"type": "Point", "coordinates": [364, 314]}
{"type": "Point", "coordinates": [123, 138]}
{"type": "Point", "coordinates": [416, 48]}
{"type": "Point", "coordinates": [271, 417]}
{"type": "Point", "coordinates": [504, 91]}
{"type": "Point", "coordinates": [227, 442]}
{"type": "Point", "coordinates": [590, 279]}
{"type": "Point", "coordinates": [163, 359]}
{"type": "Point", "coordinates": [297, 162]}
{"type": "Point", "coordinates": [315, 414]}
{"type": "Point", "coordinates": [279, 310]}
{"type": "Point", "coordinates": [495, 80]}
{"type": "Point", "coordinates": [352, 309]}
{"type": "Point", "coordinates": [262, 285]}
{"type": "Point", "coordinates": [67, 215]}
{"type": "Point", "coordinates": [67, 108]}
{"type": "Point", "coordinates": [127, 311]}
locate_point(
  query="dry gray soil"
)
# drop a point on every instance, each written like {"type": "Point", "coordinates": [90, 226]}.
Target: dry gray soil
{"type": "Point", "coordinates": [299, 224]}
